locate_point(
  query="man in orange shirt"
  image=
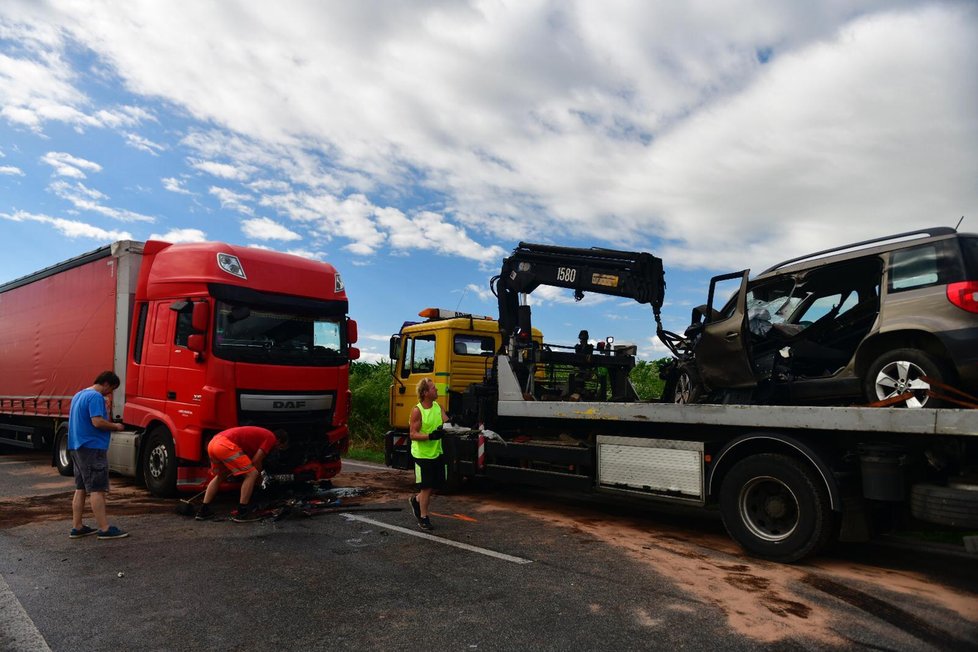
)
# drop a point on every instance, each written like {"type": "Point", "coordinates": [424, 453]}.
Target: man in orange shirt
{"type": "Point", "coordinates": [239, 451]}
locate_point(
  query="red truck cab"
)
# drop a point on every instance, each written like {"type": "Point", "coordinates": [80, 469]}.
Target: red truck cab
{"type": "Point", "coordinates": [224, 336]}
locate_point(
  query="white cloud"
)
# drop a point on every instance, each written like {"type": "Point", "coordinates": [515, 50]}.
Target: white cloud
{"type": "Point", "coordinates": [89, 199]}
{"type": "Point", "coordinates": [548, 294]}
{"type": "Point", "coordinates": [66, 165]}
{"type": "Point", "coordinates": [351, 218]}
{"type": "Point", "coordinates": [11, 170]}
{"type": "Point", "coordinates": [70, 228]}
{"type": "Point", "coordinates": [736, 135]}
{"type": "Point", "coordinates": [37, 82]}
{"type": "Point", "coordinates": [180, 235]}
{"type": "Point", "coordinates": [269, 185]}
{"type": "Point", "coordinates": [262, 228]}
{"type": "Point", "coordinates": [75, 192]}
{"type": "Point", "coordinates": [372, 357]}
{"type": "Point", "coordinates": [175, 185]}
{"type": "Point", "coordinates": [481, 291]}
{"type": "Point", "coordinates": [652, 349]}
{"type": "Point", "coordinates": [35, 90]}
{"type": "Point", "coordinates": [233, 200]}
{"type": "Point", "coordinates": [430, 231]}
{"type": "Point", "coordinates": [143, 144]}
{"type": "Point", "coordinates": [221, 170]}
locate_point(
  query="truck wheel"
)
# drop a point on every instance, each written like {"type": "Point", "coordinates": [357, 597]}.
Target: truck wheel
{"type": "Point", "coordinates": [62, 459]}
{"type": "Point", "coordinates": [952, 506]}
{"type": "Point", "coordinates": [160, 463]}
{"type": "Point", "coordinates": [899, 371]}
{"type": "Point", "coordinates": [776, 508]}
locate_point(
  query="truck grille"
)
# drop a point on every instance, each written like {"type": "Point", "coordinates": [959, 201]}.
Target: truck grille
{"type": "Point", "coordinates": [306, 416]}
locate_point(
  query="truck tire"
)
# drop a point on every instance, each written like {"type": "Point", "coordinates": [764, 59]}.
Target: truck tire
{"type": "Point", "coordinates": [160, 463]}
{"type": "Point", "coordinates": [897, 371]}
{"type": "Point", "coordinates": [776, 508]}
{"type": "Point", "coordinates": [62, 459]}
{"type": "Point", "coordinates": [952, 506]}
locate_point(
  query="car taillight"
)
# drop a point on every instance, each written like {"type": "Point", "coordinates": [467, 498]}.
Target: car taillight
{"type": "Point", "coordinates": [964, 295]}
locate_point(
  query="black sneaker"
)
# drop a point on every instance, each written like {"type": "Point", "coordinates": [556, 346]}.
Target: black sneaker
{"type": "Point", "coordinates": [415, 507]}
{"type": "Point", "coordinates": [112, 533]}
{"type": "Point", "coordinates": [239, 515]}
{"type": "Point", "coordinates": [83, 531]}
{"type": "Point", "coordinates": [425, 524]}
{"type": "Point", "coordinates": [204, 513]}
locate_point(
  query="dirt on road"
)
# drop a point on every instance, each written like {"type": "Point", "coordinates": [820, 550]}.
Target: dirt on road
{"type": "Point", "coordinates": [127, 499]}
{"type": "Point", "coordinates": [764, 601]}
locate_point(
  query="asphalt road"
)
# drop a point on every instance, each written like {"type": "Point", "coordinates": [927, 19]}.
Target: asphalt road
{"type": "Point", "coordinates": [505, 569]}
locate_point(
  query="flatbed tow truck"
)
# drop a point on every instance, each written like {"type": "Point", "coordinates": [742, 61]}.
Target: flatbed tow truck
{"type": "Point", "coordinates": [786, 479]}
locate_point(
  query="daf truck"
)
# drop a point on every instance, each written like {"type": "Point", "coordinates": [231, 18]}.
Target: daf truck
{"type": "Point", "coordinates": [204, 336]}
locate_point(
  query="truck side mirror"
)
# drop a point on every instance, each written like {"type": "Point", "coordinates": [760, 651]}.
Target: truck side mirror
{"type": "Point", "coordinates": [351, 331]}
{"type": "Point", "coordinates": [196, 343]}
{"type": "Point", "coordinates": [395, 349]}
{"type": "Point", "coordinates": [354, 353]}
{"type": "Point", "coordinates": [201, 319]}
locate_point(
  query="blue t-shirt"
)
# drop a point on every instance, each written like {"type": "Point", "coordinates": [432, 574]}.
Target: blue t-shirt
{"type": "Point", "coordinates": [86, 404]}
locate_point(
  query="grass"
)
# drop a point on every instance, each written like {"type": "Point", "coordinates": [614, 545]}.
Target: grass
{"type": "Point", "coordinates": [366, 454]}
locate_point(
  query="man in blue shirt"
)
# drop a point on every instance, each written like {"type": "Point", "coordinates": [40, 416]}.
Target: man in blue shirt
{"type": "Point", "coordinates": [88, 443]}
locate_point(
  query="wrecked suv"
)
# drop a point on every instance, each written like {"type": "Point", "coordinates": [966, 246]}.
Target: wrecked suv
{"type": "Point", "coordinates": [862, 323]}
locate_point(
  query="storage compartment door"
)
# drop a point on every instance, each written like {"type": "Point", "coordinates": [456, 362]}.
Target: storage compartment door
{"type": "Point", "coordinates": [660, 467]}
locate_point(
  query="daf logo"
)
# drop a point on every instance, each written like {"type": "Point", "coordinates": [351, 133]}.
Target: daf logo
{"type": "Point", "coordinates": [288, 405]}
{"type": "Point", "coordinates": [286, 402]}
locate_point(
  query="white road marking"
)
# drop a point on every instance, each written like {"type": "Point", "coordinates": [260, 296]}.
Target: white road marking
{"type": "Point", "coordinates": [17, 631]}
{"type": "Point", "coordinates": [447, 542]}
{"type": "Point", "coordinates": [365, 465]}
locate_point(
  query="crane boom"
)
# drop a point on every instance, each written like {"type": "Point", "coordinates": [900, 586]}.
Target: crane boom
{"type": "Point", "coordinates": [635, 275]}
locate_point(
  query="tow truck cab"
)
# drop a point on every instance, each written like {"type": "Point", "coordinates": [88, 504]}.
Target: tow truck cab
{"type": "Point", "coordinates": [456, 350]}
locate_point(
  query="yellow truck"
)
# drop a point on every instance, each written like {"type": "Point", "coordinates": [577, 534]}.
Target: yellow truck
{"type": "Point", "coordinates": [456, 350]}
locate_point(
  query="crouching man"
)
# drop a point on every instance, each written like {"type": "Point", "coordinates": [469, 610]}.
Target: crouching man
{"type": "Point", "coordinates": [239, 451]}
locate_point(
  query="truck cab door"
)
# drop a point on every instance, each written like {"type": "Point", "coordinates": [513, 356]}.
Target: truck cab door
{"type": "Point", "coordinates": [722, 352]}
{"type": "Point", "coordinates": [186, 375]}
{"type": "Point", "coordinates": [155, 359]}
{"type": "Point", "coordinates": [418, 362]}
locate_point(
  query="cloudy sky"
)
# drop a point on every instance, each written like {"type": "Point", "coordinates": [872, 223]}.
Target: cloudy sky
{"type": "Point", "coordinates": [412, 144]}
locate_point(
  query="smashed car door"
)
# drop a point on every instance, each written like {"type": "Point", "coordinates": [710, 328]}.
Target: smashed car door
{"type": "Point", "coordinates": [722, 355]}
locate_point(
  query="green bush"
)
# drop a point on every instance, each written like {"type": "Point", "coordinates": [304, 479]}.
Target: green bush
{"type": "Point", "coordinates": [370, 386]}
{"type": "Point", "coordinates": [645, 378]}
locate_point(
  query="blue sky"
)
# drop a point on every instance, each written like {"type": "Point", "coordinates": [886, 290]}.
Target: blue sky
{"type": "Point", "coordinates": [412, 145]}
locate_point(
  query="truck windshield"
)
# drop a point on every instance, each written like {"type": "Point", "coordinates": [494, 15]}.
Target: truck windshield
{"type": "Point", "coordinates": [262, 336]}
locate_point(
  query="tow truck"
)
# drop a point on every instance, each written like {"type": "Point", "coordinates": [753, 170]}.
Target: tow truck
{"type": "Point", "coordinates": [786, 479]}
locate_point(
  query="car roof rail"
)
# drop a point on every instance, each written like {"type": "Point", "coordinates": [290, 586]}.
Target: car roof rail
{"type": "Point", "coordinates": [931, 232]}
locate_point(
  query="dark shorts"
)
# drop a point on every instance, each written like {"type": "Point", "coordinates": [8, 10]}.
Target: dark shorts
{"type": "Point", "coordinates": [91, 469]}
{"type": "Point", "coordinates": [430, 474]}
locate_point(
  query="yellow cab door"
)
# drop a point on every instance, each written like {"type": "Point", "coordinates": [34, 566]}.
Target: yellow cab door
{"type": "Point", "coordinates": [418, 362]}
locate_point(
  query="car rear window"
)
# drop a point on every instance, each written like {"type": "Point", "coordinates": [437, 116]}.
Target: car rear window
{"type": "Point", "coordinates": [922, 266]}
{"type": "Point", "coordinates": [969, 249]}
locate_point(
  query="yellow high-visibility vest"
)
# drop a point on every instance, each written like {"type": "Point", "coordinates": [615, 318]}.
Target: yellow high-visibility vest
{"type": "Point", "coordinates": [431, 419]}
